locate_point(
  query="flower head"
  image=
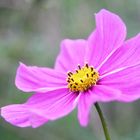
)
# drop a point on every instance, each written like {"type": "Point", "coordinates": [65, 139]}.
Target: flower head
{"type": "Point", "coordinates": [102, 68]}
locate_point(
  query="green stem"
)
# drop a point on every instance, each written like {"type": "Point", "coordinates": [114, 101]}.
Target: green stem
{"type": "Point", "coordinates": [106, 133]}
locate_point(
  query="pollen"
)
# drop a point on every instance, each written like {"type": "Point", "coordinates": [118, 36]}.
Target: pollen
{"type": "Point", "coordinates": [82, 79]}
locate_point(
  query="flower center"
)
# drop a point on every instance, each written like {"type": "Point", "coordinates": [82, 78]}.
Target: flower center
{"type": "Point", "coordinates": [82, 79]}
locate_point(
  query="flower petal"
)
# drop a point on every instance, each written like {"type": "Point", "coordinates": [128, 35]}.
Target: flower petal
{"type": "Point", "coordinates": [127, 55]}
{"type": "Point", "coordinates": [19, 115]}
{"type": "Point", "coordinates": [32, 78]}
{"type": "Point", "coordinates": [84, 105]}
{"type": "Point", "coordinates": [53, 104]}
{"type": "Point", "coordinates": [72, 53]}
{"type": "Point", "coordinates": [97, 94]}
{"type": "Point", "coordinates": [109, 34]}
{"type": "Point", "coordinates": [103, 93]}
{"type": "Point", "coordinates": [127, 81]}
{"type": "Point", "coordinates": [40, 108]}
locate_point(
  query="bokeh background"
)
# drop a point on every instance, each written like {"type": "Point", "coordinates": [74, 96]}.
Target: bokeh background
{"type": "Point", "coordinates": [30, 32]}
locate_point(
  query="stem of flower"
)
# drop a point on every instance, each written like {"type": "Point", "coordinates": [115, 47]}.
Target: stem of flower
{"type": "Point", "coordinates": [106, 133]}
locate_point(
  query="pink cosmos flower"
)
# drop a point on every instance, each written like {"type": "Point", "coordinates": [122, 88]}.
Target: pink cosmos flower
{"type": "Point", "coordinates": [101, 68]}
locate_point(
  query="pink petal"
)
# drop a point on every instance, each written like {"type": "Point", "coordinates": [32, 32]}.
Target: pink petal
{"type": "Point", "coordinates": [84, 105]}
{"type": "Point", "coordinates": [109, 34]}
{"type": "Point", "coordinates": [127, 81]}
{"type": "Point", "coordinates": [103, 93]}
{"type": "Point", "coordinates": [72, 53]}
{"type": "Point", "coordinates": [32, 78]}
{"type": "Point", "coordinates": [53, 104]}
{"type": "Point", "coordinates": [19, 115]}
{"type": "Point", "coordinates": [127, 55]}
{"type": "Point", "coordinates": [97, 94]}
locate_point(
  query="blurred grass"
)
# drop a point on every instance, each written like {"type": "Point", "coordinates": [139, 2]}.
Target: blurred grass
{"type": "Point", "coordinates": [30, 32]}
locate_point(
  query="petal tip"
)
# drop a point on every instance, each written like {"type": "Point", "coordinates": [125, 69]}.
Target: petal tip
{"type": "Point", "coordinates": [19, 115]}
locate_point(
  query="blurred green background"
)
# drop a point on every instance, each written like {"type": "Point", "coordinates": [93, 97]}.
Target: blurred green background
{"type": "Point", "coordinates": [30, 32]}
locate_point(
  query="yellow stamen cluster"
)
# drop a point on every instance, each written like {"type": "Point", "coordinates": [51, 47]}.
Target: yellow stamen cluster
{"type": "Point", "coordinates": [82, 79]}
